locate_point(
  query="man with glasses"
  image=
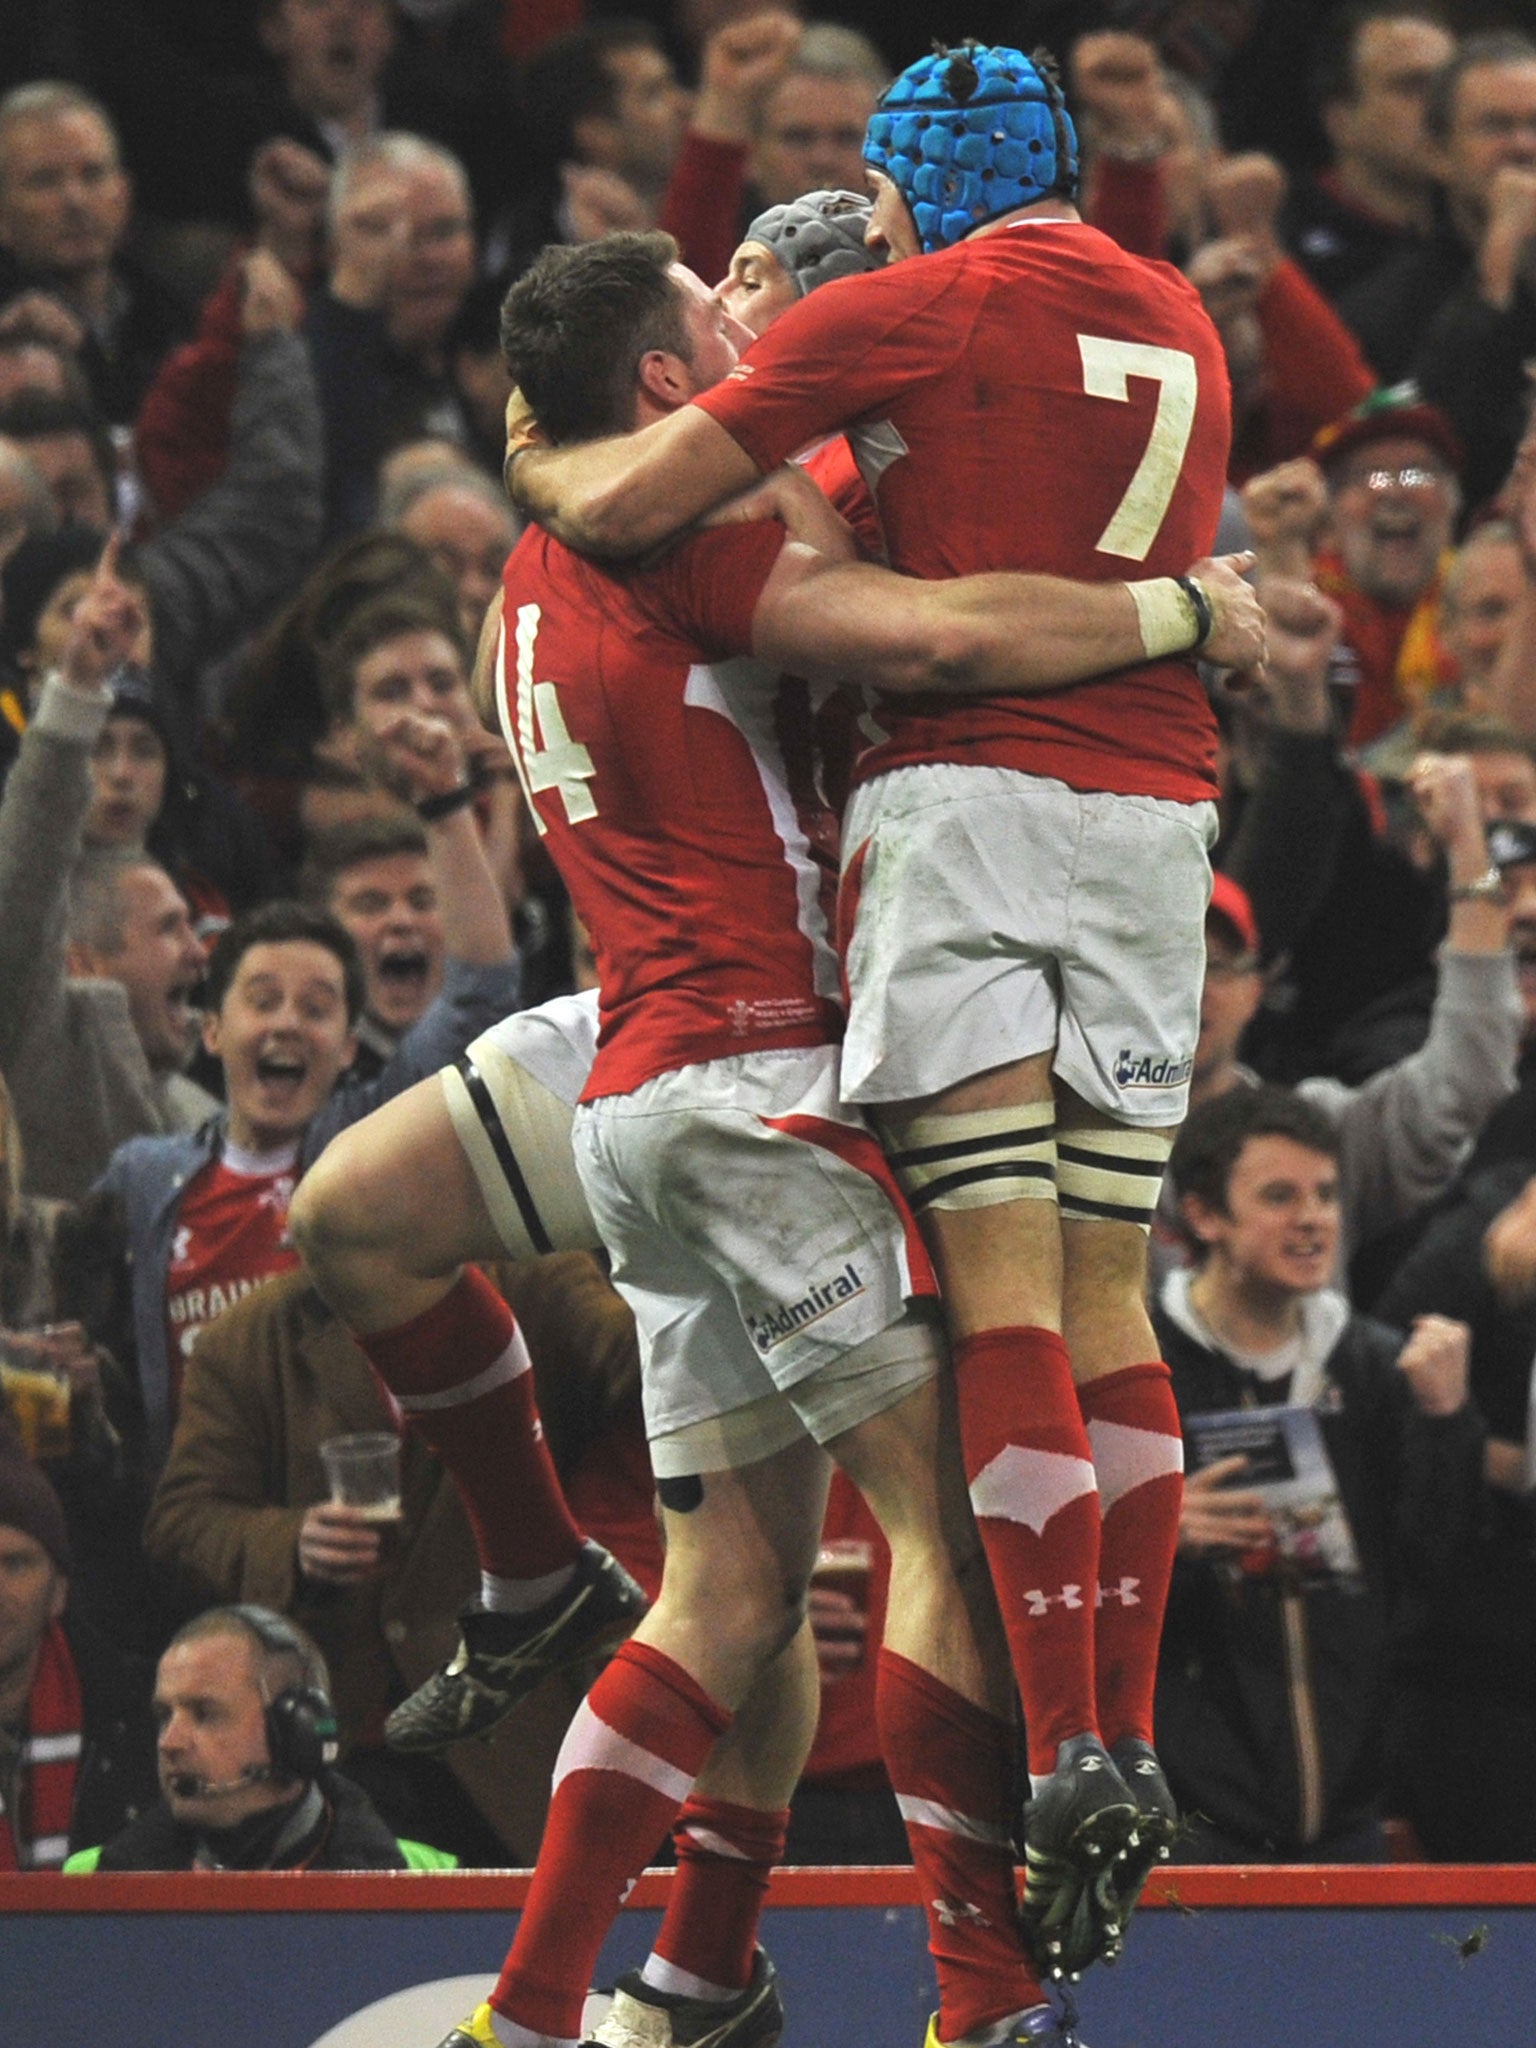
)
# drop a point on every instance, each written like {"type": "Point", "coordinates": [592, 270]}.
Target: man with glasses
{"type": "Point", "coordinates": [1393, 494]}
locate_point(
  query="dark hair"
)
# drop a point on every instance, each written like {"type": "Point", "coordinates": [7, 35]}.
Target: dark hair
{"type": "Point", "coordinates": [373, 624]}
{"type": "Point", "coordinates": [1335, 78]}
{"type": "Point", "coordinates": [577, 322]}
{"type": "Point", "coordinates": [38, 416]}
{"type": "Point", "coordinates": [330, 854]}
{"type": "Point", "coordinates": [278, 924]}
{"type": "Point", "coordinates": [569, 81]}
{"type": "Point", "coordinates": [1208, 1147]}
{"type": "Point", "coordinates": [1498, 46]}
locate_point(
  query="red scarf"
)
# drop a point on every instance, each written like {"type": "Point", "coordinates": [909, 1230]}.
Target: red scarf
{"type": "Point", "coordinates": [36, 1835]}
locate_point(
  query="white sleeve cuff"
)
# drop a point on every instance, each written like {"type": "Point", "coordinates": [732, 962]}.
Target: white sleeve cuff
{"type": "Point", "coordinates": [71, 714]}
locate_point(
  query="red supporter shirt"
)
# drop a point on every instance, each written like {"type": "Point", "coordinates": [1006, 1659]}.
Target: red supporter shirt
{"type": "Point", "coordinates": [666, 771]}
{"type": "Point", "coordinates": [231, 1234]}
{"type": "Point", "coordinates": [1032, 399]}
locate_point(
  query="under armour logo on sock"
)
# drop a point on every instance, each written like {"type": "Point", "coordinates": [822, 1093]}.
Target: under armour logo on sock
{"type": "Point", "coordinates": [1125, 1593]}
{"type": "Point", "coordinates": [1041, 1603]}
{"type": "Point", "coordinates": [955, 1912]}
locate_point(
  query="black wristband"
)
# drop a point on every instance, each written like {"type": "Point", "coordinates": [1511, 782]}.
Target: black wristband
{"type": "Point", "coordinates": [433, 808]}
{"type": "Point", "coordinates": [1203, 613]}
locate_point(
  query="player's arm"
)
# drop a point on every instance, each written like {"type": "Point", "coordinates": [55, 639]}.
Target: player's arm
{"type": "Point", "coordinates": [995, 634]}
{"type": "Point", "coordinates": [623, 496]}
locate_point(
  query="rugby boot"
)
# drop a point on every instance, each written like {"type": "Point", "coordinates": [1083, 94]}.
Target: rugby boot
{"type": "Point", "coordinates": [1041, 2027]}
{"type": "Point", "coordinates": [1158, 1826]}
{"type": "Point", "coordinates": [643, 2017]}
{"type": "Point", "coordinates": [475, 2032]}
{"type": "Point", "coordinates": [502, 1657]}
{"type": "Point", "coordinates": [1076, 1829]}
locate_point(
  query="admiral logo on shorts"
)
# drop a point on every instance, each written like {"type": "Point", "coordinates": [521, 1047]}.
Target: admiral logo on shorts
{"type": "Point", "coordinates": [1152, 1070]}
{"type": "Point", "coordinates": [771, 1330]}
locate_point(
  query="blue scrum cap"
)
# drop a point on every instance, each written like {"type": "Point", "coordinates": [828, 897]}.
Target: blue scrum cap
{"type": "Point", "coordinates": [968, 134]}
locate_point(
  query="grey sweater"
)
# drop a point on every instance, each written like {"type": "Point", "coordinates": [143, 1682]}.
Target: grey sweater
{"type": "Point", "coordinates": [68, 1050]}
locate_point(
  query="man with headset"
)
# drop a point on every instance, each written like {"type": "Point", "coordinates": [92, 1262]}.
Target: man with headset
{"type": "Point", "coordinates": [247, 1735]}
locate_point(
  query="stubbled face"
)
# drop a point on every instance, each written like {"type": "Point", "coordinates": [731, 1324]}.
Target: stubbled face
{"type": "Point", "coordinates": [757, 288]}
{"type": "Point", "coordinates": [284, 1038]}
{"type": "Point", "coordinates": [128, 768]}
{"type": "Point", "coordinates": [332, 52]}
{"type": "Point", "coordinates": [63, 196]}
{"type": "Point", "coordinates": [812, 137]}
{"type": "Point", "coordinates": [212, 1730]}
{"type": "Point", "coordinates": [892, 232]}
{"type": "Point", "coordinates": [419, 672]}
{"type": "Point", "coordinates": [160, 966]}
{"type": "Point", "coordinates": [1394, 503]}
{"type": "Point", "coordinates": [1493, 124]}
{"type": "Point", "coordinates": [470, 539]}
{"type": "Point", "coordinates": [715, 336]}
{"type": "Point", "coordinates": [1279, 1233]}
{"type": "Point", "coordinates": [32, 1593]}
{"type": "Point", "coordinates": [389, 905]}
{"type": "Point", "coordinates": [1476, 611]}
{"type": "Point", "coordinates": [1384, 123]}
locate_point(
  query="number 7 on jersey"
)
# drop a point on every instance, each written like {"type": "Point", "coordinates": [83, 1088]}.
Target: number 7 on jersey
{"type": "Point", "coordinates": [1107, 365]}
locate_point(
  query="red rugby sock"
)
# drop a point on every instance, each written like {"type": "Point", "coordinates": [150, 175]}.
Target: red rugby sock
{"type": "Point", "coordinates": [725, 1858]}
{"type": "Point", "coordinates": [951, 1766]}
{"type": "Point", "coordinates": [637, 1743]}
{"type": "Point", "coordinates": [1138, 1453]}
{"type": "Point", "coordinates": [461, 1373]}
{"type": "Point", "coordinates": [1030, 1471]}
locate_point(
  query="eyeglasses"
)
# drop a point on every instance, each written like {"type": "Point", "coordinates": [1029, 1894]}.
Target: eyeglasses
{"type": "Point", "coordinates": [1411, 477]}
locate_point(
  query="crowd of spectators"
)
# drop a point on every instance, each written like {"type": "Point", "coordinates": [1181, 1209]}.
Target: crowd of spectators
{"type": "Point", "coordinates": [261, 868]}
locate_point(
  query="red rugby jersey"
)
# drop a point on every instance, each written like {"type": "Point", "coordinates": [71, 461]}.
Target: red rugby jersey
{"type": "Point", "coordinates": [669, 773]}
{"type": "Point", "coordinates": [1032, 399]}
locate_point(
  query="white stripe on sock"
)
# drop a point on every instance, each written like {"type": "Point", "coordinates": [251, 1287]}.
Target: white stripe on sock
{"type": "Point", "coordinates": [511, 1365]}
{"type": "Point", "coordinates": [664, 1976]}
{"type": "Point", "coordinates": [591, 1745]}
{"type": "Point", "coordinates": [927, 1813]}
{"type": "Point", "coordinates": [1029, 1486]}
{"type": "Point", "coordinates": [1126, 1458]}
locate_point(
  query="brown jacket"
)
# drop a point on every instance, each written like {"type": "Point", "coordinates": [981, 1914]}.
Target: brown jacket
{"type": "Point", "coordinates": [274, 1376]}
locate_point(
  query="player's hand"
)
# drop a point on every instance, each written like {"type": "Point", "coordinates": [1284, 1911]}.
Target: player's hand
{"type": "Point", "coordinates": [416, 756]}
{"type": "Point", "coordinates": [1285, 508]}
{"type": "Point", "coordinates": [39, 316]}
{"type": "Point", "coordinates": [289, 185]}
{"type": "Point", "coordinates": [1117, 82]}
{"type": "Point", "coordinates": [1217, 1518]}
{"type": "Point", "coordinates": [1237, 638]}
{"type": "Point", "coordinates": [742, 63]}
{"type": "Point", "coordinates": [840, 1628]}
{"type": "Point", "coordinates": [788, 495]}
{"type": "Point", "coordinates": [600, 202]}
{"type": "Point", "coordinates": [109, 624]}
{"type": "Point", "coordinates": [1292, 686]}
{"type": "Point", "coordinates": [270, 301]}
{"type": "Point", "coordinates": [523, 432]}
{"type": "Point", "coordinates": [1435, 1363]}
{"type": "Point", "coordinates": [1509, 1249]}
{"type": "Point", "coordinates": [370, 238]}
{"type": "Point", "coordinates": [338, 1545]}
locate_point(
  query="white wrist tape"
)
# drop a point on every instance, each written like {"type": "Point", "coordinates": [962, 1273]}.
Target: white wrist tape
{"type": "Point", "coordinates": [1166, 613]}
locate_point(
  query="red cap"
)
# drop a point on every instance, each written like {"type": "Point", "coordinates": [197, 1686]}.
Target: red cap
{"type": "Point", "coordinates": [1229, 901]}
{"type": "Point", "coordinates": [1387, 415]}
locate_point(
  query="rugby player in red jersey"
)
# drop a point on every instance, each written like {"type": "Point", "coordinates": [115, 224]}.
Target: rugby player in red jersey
{"type": "Point", "coordinates": [1024, 880]}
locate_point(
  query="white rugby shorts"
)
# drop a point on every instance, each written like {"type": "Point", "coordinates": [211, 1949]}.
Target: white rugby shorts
{"type": "Point", "coordinates": [989, 915]}
{"type": "Point", "coordinates": [511, 1098]}
{"type": "Point", "coordinates": [757, 1233]}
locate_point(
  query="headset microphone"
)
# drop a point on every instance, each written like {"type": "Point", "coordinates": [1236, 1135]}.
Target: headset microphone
{"type": "Point", "coordinates": [186, 1786]}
